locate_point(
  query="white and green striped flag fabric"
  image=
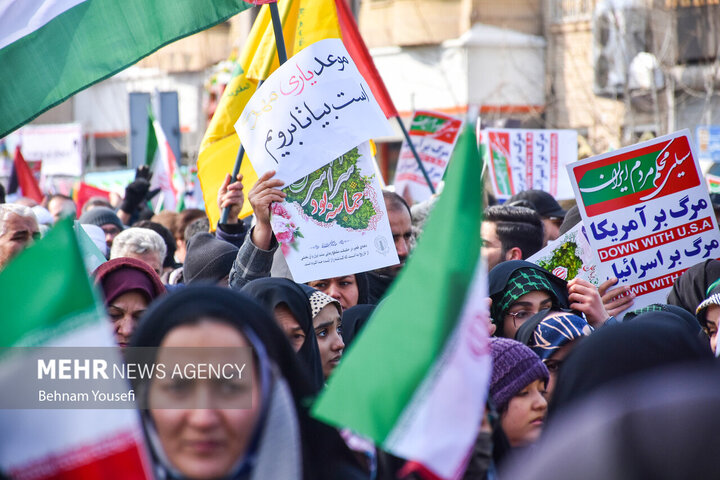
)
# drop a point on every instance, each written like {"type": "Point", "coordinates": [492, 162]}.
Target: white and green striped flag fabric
{"type": "Point", "coordinates": [51, 49]}
{"type": "Point", "coordinates": [48, 301]}
{"type": "Point", "coordinates": [416, 379]}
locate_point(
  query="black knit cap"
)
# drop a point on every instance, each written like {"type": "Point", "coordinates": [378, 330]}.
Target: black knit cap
{"type": "Point", "coordinates": [208, 259]}
{"type": "Point", "coordinates": [101, 216]}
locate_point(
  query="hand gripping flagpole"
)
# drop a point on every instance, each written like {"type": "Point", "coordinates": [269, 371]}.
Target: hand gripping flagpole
{"type": "Point", "coordinates": [282, 58]}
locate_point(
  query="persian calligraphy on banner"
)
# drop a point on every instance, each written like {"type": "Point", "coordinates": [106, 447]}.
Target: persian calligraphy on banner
{"type": "Point", "coordinates": [312, 109]}
{"type": "Point", "coordinates": [648, 214]}
{"type": "Point", "coordinates": [333, 221]}
{"type": "Point", "coordinates": [569, 256]}
{"type": "Point", "coordinates": [434, 136]}
{"type": "Point", "coordinates": [522, 159]}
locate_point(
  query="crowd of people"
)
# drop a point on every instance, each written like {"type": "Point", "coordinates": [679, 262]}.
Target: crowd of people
{"type": "Point", "coordinates": [560, 356]}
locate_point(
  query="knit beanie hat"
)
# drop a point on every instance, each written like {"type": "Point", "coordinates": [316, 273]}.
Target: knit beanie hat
{"type": "Point", "coordinates": [515, 366]}
{"type": "Point", "coordinates": [208, 259]}
{"type": "Point", "coordinates": [101, 216]}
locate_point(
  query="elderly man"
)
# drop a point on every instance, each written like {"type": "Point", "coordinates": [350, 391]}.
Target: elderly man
{"type": "Point", "coordinates": [18, 229]}
{"type": "Point", "coordinates": [142, 244]}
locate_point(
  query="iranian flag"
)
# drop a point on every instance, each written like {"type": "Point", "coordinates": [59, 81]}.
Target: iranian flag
{"type": "Point", "coordinates": [51, 49]}
{"type": "Point", "coordinates": [421, 394]}
{"type": "Point", "coordinates": [713, 182]}
{"type": "Point", "coordinates": [48, 300]}
{"type": "Point", "coordinates": [166, 175]}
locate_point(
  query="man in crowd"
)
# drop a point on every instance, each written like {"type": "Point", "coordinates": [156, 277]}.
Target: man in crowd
{"type": "Point", "coordinates": [401, 227]}
{"type": "Point", "coordinates": [61, 206]}
{"type": "Point", "coordinates": [142, 244]}
{"type": "Point", "coordinates": [510, 233]}
{"type": "Point", "coordinates": [18, 229]}
{"type": "Point", "coordinates": [546, 206]}
{"type": "Point", "coordinates": [106, 219]}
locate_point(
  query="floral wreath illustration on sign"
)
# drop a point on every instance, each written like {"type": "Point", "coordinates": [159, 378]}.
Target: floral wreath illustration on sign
{"type": "Point", "coordinates": [336, 194]}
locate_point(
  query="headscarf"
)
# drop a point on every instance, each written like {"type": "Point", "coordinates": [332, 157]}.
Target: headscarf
{"type": "Point", "coordinates": [683, 317]}
{"type": "Point", "coordinates": [690, 288]}
{"type": "Point", "coordinates": [272, 292]}
{"type": "Point", "coordinates": [363, 285]}
{"type": "Point", "coordinates": [121, 275]}
{"type": "Point", "coordinates": [354, 319]}
{"type": "Point", "coordinates": [546, 335]}
{"type": "Point", "coordinates": [283, 384]}
{"type": "Point", "coordinates": [650, 341]}
{"type": "Point", "coordinates": [319, 300]}
{"type": "Point", "coordinates": [510, 280]}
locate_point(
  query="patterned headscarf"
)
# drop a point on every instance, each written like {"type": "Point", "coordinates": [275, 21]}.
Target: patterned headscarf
{"type": "Point", "coordinates": [522, 281]}
{"type": "Point", "coordinates": [557, 331]}
{"type": "Point", "coordinates": [319, 300]}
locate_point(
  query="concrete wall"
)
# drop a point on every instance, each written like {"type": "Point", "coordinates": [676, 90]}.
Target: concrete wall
{"type": "Point", "coordinates": [421, 22]}
{"type": "Point", "coordinates": [571, 102]}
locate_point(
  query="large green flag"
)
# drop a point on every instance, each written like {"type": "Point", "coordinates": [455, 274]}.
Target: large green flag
{"type": "Point", "coordinates": [416, 379]}
{"type": "Point", "coordinates": [48, 300]}
{"type": "Point", "coordinates": [51, 49]}
{"type": "Point", "coordinates": [46, 289]}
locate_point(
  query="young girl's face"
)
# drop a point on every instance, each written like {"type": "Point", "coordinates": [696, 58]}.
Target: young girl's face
{"type": "Point", "coordinates": [328, 330]}
{"type": "Point", "coordinates": [524, 418]}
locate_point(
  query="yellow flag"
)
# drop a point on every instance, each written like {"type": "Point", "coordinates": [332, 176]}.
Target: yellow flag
{"type": "Point", "coordinates": [304, 23]}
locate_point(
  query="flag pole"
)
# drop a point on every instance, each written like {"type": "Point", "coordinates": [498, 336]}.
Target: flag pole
{"type": "Point", "coordinates": [415, 154]}
{"type": "Point", "coordinates": [282, 58]}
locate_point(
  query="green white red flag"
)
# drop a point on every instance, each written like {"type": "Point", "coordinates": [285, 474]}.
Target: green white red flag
{"type": "Point", "coordinates": [422, 396]}
{"type": "Point", "coordinates": [166, 174]}
{"type": "Point", "coordinates": [48, 300]}
{"type": "Point", "coordinates": [51, 49]}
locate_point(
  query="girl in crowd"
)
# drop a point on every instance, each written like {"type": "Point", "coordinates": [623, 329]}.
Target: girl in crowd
{"type": "Point", "coordinates": [517, 390]}
{"type": "Point", "coordinates": [520, 289]}
{"type": "Point", "coordinates": [327, 323]}
{"type": "Point", "coordinates": [290, 306]}
{"type": "Point", "coordinates": [129, 286]}
{"type": "Point", "coordinates": [708, 314]}
{"type": "Point", "coordinates": [551, 335]}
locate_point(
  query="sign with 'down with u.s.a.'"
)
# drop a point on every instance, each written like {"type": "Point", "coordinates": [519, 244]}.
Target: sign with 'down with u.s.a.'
{"type": "Point", "coordinates": [648, 214]}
